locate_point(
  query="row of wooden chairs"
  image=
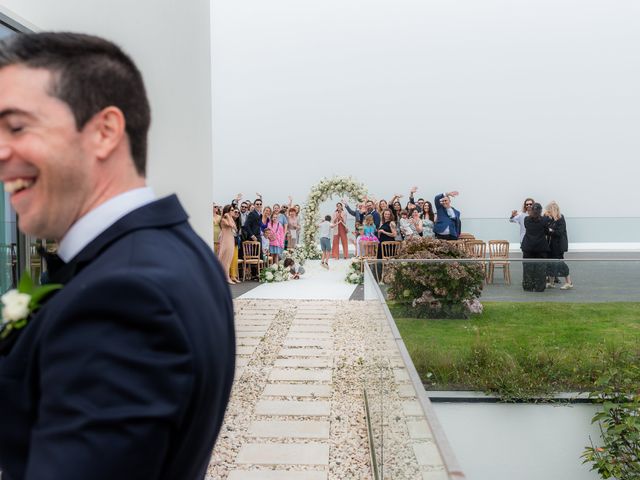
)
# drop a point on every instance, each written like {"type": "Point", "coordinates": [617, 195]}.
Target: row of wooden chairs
{"type": "Point", "coordinates": [473, 248]}
{"type": "Point", "coordinates": [477, 249]}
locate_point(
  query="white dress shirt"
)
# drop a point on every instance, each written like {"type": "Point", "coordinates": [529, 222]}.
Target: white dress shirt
{"type": "Point", "coordinates": [519, 219]}
{"type": "Point", "coordinates": [89, 226]}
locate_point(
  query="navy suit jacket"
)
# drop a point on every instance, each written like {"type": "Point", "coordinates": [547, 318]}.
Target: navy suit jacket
{"type": "Point", "coordinates": [443, 221]}
{"type": "Point", "coordinates": [125, 373]}
{"type": "Point", "coordinates": [252, 225]}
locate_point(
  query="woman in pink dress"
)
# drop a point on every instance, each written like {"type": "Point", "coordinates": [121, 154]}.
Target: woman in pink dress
{"type": "Point", "coordinates": [227, 243]}
{"type": "Point", "coordinates": [276, 242]}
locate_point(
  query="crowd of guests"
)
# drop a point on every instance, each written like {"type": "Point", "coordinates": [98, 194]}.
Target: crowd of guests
{"type": "Point", "coordinates": [543, 233]}
{"type": "Point", "coordinates": [276, 228]}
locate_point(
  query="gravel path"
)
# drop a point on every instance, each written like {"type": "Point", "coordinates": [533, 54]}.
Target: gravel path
{"type": "Point", "coordinates": [297, 409]}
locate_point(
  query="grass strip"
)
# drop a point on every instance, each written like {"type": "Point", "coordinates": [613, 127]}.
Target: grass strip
{"type": "Point", "coordinates": [519, 350]}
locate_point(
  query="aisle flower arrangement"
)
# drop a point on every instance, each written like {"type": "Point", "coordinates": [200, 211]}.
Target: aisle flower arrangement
{"type": "Point", "coordinates": [298, 254]}
{"type": "Point", "coordinates": [274, 273]}
{"type": "Point", "coordinates": [354, 272]}
{"type": "Point", "coordinates": [341, 186]}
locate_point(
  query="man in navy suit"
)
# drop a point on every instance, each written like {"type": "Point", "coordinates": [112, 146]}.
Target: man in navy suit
{"type": "Point", "coordinates": [448, 224]}
{"type": "Point", "coordinates": [126, 371]}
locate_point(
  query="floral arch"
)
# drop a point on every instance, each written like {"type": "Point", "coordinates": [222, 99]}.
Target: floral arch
{"type": "Point", "coordinates": [341, 186]}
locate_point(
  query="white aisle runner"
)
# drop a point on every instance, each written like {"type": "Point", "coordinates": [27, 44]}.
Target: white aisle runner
{"type": "Point", "coordinates": [317, 283]}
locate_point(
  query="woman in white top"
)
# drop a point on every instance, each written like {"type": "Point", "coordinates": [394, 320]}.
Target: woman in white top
{"type": "Point", "coordinates": [519, 217]}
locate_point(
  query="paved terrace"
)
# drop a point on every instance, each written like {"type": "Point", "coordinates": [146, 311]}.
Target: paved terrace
{"type": "Point", "coordinates": [297, 410]}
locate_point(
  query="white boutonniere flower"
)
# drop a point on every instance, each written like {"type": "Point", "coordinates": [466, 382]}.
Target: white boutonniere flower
{"type": "Point", "coordinates": [18, 304]}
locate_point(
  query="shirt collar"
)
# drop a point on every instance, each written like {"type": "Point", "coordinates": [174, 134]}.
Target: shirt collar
{"type": "Point", "coordinates": [93, 223]}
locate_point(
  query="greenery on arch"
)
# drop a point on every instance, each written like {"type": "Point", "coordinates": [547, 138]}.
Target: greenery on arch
{"type": "Point", "coordinates": [325, 189]}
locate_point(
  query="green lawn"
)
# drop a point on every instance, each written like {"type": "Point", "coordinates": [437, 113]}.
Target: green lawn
{"type": "Point", "coordinates": [522, 349]}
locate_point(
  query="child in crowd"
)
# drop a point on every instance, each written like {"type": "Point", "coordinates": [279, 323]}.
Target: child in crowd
{"type": "Point", "coordinates": [405, 225]}
{"type": "Point", "coordinates": [325, 239]}
{"type": "Point", "coordinates": [357, 232]}
{"type": "Point", "coordinates": [368, 232]}
{"type": "Point", "coordinates": [294, 269]}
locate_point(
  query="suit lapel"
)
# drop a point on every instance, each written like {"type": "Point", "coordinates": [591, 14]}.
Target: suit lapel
{"type": "Point", "coordinates": [161, 213]}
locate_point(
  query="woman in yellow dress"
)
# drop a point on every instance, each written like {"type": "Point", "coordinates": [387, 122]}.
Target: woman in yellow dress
{"type": "Point", "coordinates": [216, 228]}
{"type": "Point", "coordinates": [227, 242]}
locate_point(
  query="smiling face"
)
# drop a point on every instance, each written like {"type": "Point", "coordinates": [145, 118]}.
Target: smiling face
{"type": "Point", "coordinates": [45, 163]}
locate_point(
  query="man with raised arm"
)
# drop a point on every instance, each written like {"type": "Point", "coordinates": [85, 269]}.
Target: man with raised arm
{"type": "Point", "coordinates": [448, 224]}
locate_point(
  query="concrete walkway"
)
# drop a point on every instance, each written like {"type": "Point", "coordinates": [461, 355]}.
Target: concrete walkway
{"type": "Point", "coordinates": [297, 410]}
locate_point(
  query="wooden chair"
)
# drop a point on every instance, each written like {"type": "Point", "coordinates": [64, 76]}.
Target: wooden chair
{"type": "Point", "coordinates": [251, 252]}
{"type": "Point", "coordinates": [389, 250]}
{"type": "Point", "coordinates": [466, 236]}
{"type": "Point", "coordinates": [499, 257]}
{"type": "Point", "coordinates": [368, 251]}
{"type": "Point", "coordinates": [477, 249]}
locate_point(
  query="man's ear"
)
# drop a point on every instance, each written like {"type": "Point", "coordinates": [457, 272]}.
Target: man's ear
{"type": "Point", "coordinates": [107, 131]}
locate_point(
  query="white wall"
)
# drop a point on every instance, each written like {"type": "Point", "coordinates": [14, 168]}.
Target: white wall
{"type": "Point", "coordinates": [170, 42]}
{"type": "Point", "coordinates": [500, 99]}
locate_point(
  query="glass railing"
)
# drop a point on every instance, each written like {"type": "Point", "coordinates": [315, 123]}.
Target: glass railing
{"type": "Point", "coordinates": [580, 229]}
{"type": "Point", "coordinates": [518, 320]}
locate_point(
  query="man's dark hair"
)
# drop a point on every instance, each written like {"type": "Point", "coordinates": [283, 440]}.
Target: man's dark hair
{"type": "Point", "coordinates": [288, 262]}
{"type": "Point", "coordinates": [89, 74]}
{"type": "Point", "coordinates": [327, 218]}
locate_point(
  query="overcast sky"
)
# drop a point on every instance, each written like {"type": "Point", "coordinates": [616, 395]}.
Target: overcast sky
{"type": "Point", "coordinates": [500, 99]}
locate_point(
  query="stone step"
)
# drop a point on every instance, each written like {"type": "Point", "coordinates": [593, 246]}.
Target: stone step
{"type": "Point", "coordinates": [300, 375]}
{"type": "Point", "coordinates": [289, 429]}
{"type": "Point", "coordinates": [245, 350]}
{"type": "Point", "coordinates": [419, 429]}
{"type": "Point", "coordinates": [412, 408]}
{"type": "Point", "coordinates": [317, 362]}
{"type": "Point", "coordinates": [305, 352]}
{"type": "Point", "coordinates": [277, 475]}
{"type": "Point", "coordinates": [316, 408]}
{"type": "Point", "coordinates": [296, 390]}
{"type": "Point", "coordinates": [301, 322]}
{"type": "Point", "coordinates": [406, 391]}
{"type": "Point", "coordinates": [401, 375]}
{"type": "Point", "coordinates": [427, 454]}
{"type": "Point", "coordinates": [310, 335]}
{"type": "Point", "coordinates": [310, 328]}
{"type": "Point", "coordinates": [305, 342]}
{"type": "Point", "coordinates": [287, 454]}
{"type": "Point", "coordinates": [247, 341]}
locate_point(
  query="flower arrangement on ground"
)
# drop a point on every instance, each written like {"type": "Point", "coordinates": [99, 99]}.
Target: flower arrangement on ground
{"type": "Point", "coordinates": [435, 289]}
{"type": "Point", "coordinates": [274, 273]}
{"type": "Point", "coordinates": [341, 186]}
{"type": "Point", "coordinates": [354, 272]}
{"type": "Point", "coordinates": [298, 254]}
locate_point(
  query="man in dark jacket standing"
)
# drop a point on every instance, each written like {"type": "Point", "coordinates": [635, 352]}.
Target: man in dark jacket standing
{"type": "Point", "coordinates": [126, 371]}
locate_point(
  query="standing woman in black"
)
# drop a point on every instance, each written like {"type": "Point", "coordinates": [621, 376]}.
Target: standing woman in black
{"type": "Point", "coordinates": [386, 233]}
{"type": "Point", "coordinates": [558, 244]}
{"type": "Point", "coordinates": [535, 245]}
